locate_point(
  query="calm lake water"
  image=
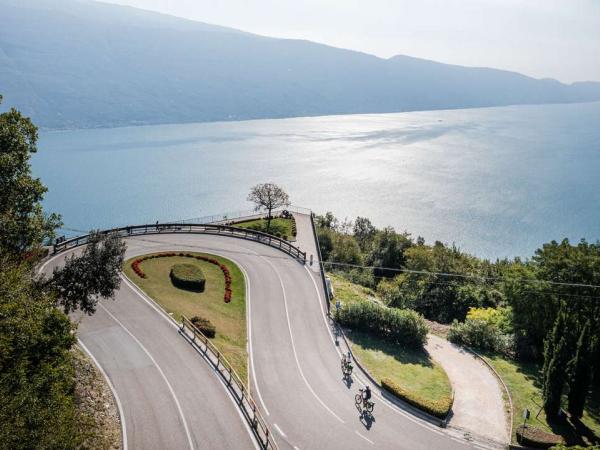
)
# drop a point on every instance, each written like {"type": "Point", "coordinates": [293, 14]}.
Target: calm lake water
{"type": "Point", "coordinates": [496, 181]}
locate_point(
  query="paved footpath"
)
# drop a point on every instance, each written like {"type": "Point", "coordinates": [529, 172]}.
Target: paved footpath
{"type": "Point", "coordinates": [478, 405]}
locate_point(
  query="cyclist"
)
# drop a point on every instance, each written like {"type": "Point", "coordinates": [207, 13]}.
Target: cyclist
{"type": "Point", "coordinates": [366, 395]}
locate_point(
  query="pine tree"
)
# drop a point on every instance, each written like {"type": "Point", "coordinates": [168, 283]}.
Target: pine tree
{"type": "Point", "coordinates": [580, 372]}
{"type": "Point", "coordinates": [555, 361]}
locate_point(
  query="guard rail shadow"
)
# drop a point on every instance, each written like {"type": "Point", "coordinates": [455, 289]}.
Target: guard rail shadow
{"type": "Point", "coordinates": [164, 228]}
{"type": "Point", "coordinates": [234, 383]}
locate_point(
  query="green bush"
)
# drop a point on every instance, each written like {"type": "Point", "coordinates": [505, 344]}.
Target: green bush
{"type": "Point", "coordinates": [400, 326]}
{"type": "Point", "coordinates": [188, 276]}
{"type": "Point", "coordinates": [529, 436]}
{"type": "Point", "coordinates": [575, 447]}
{"type": "Point", "coordinates": [204, 325]}
{"type": "Point", "coordinates": [480, 334]}
{"type": "Point", "coordinates": [438, 408]}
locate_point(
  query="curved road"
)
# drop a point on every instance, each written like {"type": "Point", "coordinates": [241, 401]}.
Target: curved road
{"type": "Point", "coordinates": [171, 398]}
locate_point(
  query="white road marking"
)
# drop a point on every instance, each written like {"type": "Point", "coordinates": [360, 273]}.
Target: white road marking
{"type": "Point", "coordinates": [324, 315]}
{"type": "Point", "coordinates": [384, 401]}
{"type": "Point", "coordinates": [151, 302]}
{"type": "Point", "coordinates": [249, 327]}
{"type": "Point", "coordinates": [365, 438]}
{"type": "Point", "coordinates": [280, 431]}
{"type": "Point", "coordinates": [287, 314]}
{"type": "Point", "coordinates": [185, 425]}
{"type": "Point", "coordinates": [114, 392]}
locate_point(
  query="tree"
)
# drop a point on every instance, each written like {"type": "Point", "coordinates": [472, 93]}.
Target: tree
{"type": "Point", "coordinates": [364, 232]}
{"type": "Point", "coordinates": [93, 274]}
{"type": "Point", "coordinates": [37, 398]}
{"type": "Point", "coordinates": [23, 224]}
{"type": "Point", "coordinates": [345, 250]}
{"type": "Point", "coordinates": [268, 196]}
{"type": "Point", "coordinates": [37, 408]}
{"type": "Point", "coordinates": [580, 372]}
{"type": "Point", "coordinates": [388, 251]}
{"type": "Point", "coordinates": [555, 361]}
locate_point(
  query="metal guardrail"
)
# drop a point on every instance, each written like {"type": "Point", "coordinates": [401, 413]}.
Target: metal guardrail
{"type": "Point", "coordinates": [236, 215]}
{"type": "Point", "coordinates": [321, 268]}
{"type": "Point", "coordinates": [163, 228]}
{"type": "Point", "coordinates": [234, 384]}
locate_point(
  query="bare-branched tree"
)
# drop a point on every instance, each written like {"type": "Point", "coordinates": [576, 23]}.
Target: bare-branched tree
{"type": "Point", "coordinates": [268, 196]}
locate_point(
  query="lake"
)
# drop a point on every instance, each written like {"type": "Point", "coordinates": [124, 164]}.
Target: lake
{"type": "Point", "coordinates": [498, 182]}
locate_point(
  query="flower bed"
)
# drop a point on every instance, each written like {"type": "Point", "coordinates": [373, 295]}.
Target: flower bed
{"type": "Point", "coordinates": [135, 265]}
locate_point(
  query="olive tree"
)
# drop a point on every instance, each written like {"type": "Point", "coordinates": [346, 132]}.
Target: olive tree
{"type": "Point", "coordinates": [268, 196]}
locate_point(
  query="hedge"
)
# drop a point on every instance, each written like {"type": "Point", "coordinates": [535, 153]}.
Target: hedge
{"type": "Point", "coordinates": [402, 326]}
{"type": "Point", "coordinates": [534, 437]}
{"type": "Point", "coordinates": [575, 447]}
{"type": "Point", "coordinates": [188, 276]}
{"type": "Point", "coordinates": [204, 325]}
{"type": "Point", "coordinates": [438, 408]}
{"type": "Point", "coordinates": [135, 265]}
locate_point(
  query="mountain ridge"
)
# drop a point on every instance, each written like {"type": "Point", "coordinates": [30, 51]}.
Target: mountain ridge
{"type": "Point", "coordinates": [81, 64]}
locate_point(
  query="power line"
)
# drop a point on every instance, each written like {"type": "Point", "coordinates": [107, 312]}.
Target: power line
{"type": "Point", "coordinates": [449, 283]}
{"type": "Point", "coordinates": [460, 275]}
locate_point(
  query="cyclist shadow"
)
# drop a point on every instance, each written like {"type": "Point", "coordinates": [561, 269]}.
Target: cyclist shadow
{"type": "Point", "coordinates": [348, 381]}
{"type": "Point", "coordinates": [367, 419]}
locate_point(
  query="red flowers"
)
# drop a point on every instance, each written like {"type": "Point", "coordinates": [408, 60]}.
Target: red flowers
{"type": "Point", "coordinates": [135, 265]}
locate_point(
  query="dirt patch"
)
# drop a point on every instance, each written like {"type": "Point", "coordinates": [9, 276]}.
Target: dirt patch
{"type": "Point", "coordinates": [439, 329]}
{"type": "Point", "coordinates": [99, 417]}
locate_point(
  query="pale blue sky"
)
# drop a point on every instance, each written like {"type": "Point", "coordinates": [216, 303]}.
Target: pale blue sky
{"type": "Point", "coordinates": [542, 38]}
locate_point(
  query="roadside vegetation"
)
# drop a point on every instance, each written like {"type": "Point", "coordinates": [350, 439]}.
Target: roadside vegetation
{"type": "Point", "coordinates": [99, 422]}
{"type": "Point", "coordinates": [284, 228]}
{"type": "Point", "coordinates": [39, 382]}
{"type": "Point", "coordinates": [538, 318]}
{"type": "Point", "coordinates": [225, 321]}
{"type": "Point", "coordinates": [401, 365]}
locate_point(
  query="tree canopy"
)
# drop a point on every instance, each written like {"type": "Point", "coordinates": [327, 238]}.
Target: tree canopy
{"type": "Point", "coordinates": [23, 222]}
{"type": "Point", "coordinates": [268, 196]}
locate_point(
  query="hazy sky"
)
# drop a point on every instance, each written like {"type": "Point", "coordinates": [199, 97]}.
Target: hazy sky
{"type": "Point", "coordinates": [542, 38]}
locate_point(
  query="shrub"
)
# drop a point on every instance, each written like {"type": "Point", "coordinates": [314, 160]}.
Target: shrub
{"type": "Point", "coordinates": [500, 317]}
{"type": "Point", "coordinates": [534, 437]}
{"type": "Point", "coordinates": [188, 276]}
{"type": "Point", "coordinates": [480, 334]}
{"type": "Point", "coordinates": [228, 292]}
{"type": "Point", "coordinates": [204, 325]}
{"type": "Point", "coordinates": [575, 447]}
{"type": "Point", "coordinates": [401, 326]}
{"type": "Point", "coordinates": [438, 408]}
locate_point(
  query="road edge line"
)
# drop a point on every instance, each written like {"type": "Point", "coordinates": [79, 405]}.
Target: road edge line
{"type": "Point", "coordinates": [112, 389]}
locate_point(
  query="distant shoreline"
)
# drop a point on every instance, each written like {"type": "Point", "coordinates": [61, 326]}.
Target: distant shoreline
{"type": "Point", "coordinates": [221, 121]}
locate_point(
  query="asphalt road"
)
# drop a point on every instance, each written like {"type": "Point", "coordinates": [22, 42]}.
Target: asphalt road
{"type": "Point", "coordinates": [171, 398]}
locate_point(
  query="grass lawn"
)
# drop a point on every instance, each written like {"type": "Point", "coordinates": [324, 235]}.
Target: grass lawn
{"type": "Point", "coordinates": [228, 318]}
{"type": "Point", "coordinates": [524, 383]}
{"type": "Point", "coordinates": [414, 370]}
{"type": "Point", "coordinates": [278, 225]}
{"type": "Point", "coordinates": [347, 292]}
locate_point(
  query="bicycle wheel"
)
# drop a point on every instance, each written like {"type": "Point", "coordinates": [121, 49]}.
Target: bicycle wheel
{"type": "Point", "coordinates": [358, 399]}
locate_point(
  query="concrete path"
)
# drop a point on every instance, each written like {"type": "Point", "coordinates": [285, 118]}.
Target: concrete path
{"type": "Point", "coordinates": [478, 405]}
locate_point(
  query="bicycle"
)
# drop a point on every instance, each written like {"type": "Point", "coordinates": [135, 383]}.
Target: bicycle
{"type": "Point", "coordinates": [346, 366]}
{"type": "Point", "coordinates": [362, 402]}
